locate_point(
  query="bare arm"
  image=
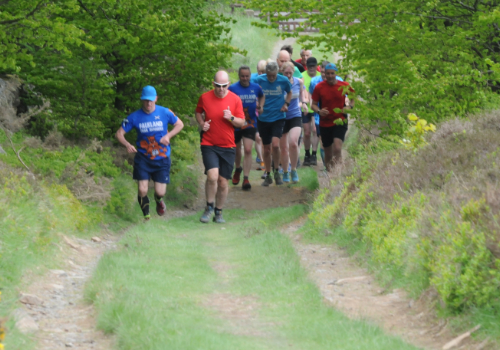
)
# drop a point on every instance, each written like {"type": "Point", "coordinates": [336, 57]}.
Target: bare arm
{"type": "Point", "coordinates": [302, 98]}
{"type": "Point", "coordinates": [288, 98]}
{"type": "Point", "coordinates": [315, 107]}
{"type": "Point", "coordinates": [120, 136]}
{"type": "Point", "coordinates": [262, 101]}
{"type": "Point", "coordinates": [177, 128]}
{"type": "Point", "coordinates": [237, 122]}
{"type": "Point", "coordinates": [201, 122]}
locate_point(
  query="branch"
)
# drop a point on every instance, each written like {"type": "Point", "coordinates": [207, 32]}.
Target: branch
{"type": "Point", "coordinates": [17, 152]}
{"type": "Point", "coordinates": [85, 8]}
{"type": "Point", "coordinates": [28, 15]}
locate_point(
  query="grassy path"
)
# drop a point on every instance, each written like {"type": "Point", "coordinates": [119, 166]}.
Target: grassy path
{"type": "Point", "coordinates": [178, 284]}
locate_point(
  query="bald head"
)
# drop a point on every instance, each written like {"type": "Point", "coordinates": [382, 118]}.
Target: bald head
{"type": "Point", "coordinates": [283, 56]}
{"type": "Point", "coordinates": [221, 83]}
{"type": "Point", "coordinates": [221, 77]}
{"type": "Point", "coordinates": [261, 67]}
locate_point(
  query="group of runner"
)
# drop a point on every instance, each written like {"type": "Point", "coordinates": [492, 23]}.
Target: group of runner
{"type": "Point", "coordinates": [269, 107]}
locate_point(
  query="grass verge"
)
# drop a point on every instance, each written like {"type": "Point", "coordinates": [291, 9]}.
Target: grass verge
{"type": "Point", "coordinates": [165, 288]}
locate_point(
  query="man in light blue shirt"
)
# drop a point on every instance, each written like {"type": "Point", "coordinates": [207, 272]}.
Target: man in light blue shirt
{"type": "Point", "coordinates": [272, 117]}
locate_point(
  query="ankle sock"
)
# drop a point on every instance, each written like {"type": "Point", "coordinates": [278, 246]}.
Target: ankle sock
{"type": "Point", "coordinates": [307, 153]}
{"type": "Point", "coordinates": [144, 203]}
{"type": "Point", "coordinates": [313, 153]}
{"type": "Point", "coordinates": [158, 199]}
{"type": "Point", "coordinates": [245, 177]}
{"type": "Point", "coordinates": [218, 211]}
{"type": "Point", "coordinates": [211, 205]}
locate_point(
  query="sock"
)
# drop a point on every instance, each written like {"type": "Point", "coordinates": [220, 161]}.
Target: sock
{"type": "Point", "coordinates": [239, 170]}
{"type": "Point", "coordinates": [307, 153]}
{"type": "Point", "coordinates": [158, 199]}
{"type": "Point", "coordinates": [322, 152]}
{"type": "Point", "coordinates": [144, 203]}
{"type": "Point", "coordinates": [245, 177]}
{"type": "Point", "coordinates": [218, 211]}
{"type": "Point", "coordinates": [314, 153]}
{"type": "Point", "coordinates": [211, 205]}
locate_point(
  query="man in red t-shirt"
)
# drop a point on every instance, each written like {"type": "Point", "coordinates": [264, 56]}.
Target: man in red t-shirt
{"type": "Point", "coordinates": [218, 112]}
{"type": "Point", "coordinates": [304, 55]}
{"type": "Point", "coordinates": [332, 121]}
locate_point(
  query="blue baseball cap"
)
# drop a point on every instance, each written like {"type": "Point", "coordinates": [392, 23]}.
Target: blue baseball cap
{"type": "Point", "coordinates": [148, 93]}
{"type": "Point", "coordinates": [331, 66]}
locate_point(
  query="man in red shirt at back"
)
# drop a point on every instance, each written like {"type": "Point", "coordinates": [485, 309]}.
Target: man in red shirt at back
{"type": "Point", "coordinates": [304, 55]}
{"type": "Point", "coordinates": [223, 111]}
{"type": "Point", "coordinates": [330, 95]}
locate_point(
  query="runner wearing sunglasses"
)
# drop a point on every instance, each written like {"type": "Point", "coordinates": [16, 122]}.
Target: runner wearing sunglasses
{"type": "Point", "coordinates": [218, 112]}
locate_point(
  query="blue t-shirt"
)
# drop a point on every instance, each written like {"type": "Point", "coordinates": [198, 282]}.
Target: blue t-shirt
{"type": "Point", "coordinates": [253, 76]}
{"type": "Point", "coordinates": [294, 110]}
{"type": "Point", "coordinates": [248, 96]}
{"type": "Point", "coordinates": [315, 81]}
{"type": "Point", "coordinates": [275, 98]}
{"type": "Point", "coordinates": [150, 129]}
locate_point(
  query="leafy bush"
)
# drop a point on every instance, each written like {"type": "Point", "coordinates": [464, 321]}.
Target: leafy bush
{"type": "Point", "coordinates": [429, 216]}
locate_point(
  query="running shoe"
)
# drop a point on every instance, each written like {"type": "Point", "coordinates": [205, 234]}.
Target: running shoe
{"type": "Point", "coordinates": [160, 208]}
{"type": "Point", "coordinates": [236, 175]}
{"type": "Point", "coordinates": [258, 160]}
{"type": "Point", "coordinates": [280, 171]}
{"type": "Point", "coordinates": [295, 176]}
{"type": "Point", "coordinates": [286, 177]}
{"type": "Point", "coordinates": [263, 176]}
{"type": "Point", "coordinates": [218, 219]}
{"type": "Point", "coordinates": [307, 161]}
{"type": "Point", "coordinates": [313, 160]}
{"type": "Point", "coordinates": [277, 178]}
{"type": "Point", "coordinates": [147, 217]}
{"type": "Point", "coordinates": [246, 185]}
{"type": "Point", "coordinates": [207, 214]}
{"type": "Point", "coordinates": [268, 180]}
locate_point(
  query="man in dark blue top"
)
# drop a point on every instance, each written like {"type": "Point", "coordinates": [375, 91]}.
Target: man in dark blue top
{"type": "Point", "coordinates": [152, 159]}
{"type": "Point", "coordinates": [250, 94]}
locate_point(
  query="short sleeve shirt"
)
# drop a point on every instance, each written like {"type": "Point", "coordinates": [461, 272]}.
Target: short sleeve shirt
{"type": "Point", "coordinates": [331, 97]}
{"type": "Point", "coordinates": [307, 83]}
{"type": "Point", "coordinates": [150, 129]}
{"type": "Point", "coordinates": [315, 81]}
{"type": "Point", "coordinates": [318, 68]}
{"type": "Point", "coordinates": [275, 97]}
{"type": "Point", "coordinates": [221, 132]}
{"type": "Point", "coordinates": [248, 96]}
{"type": "Point", "coordinates": [294, 110]}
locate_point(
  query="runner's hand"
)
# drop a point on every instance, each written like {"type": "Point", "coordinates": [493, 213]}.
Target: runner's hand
{"type": "Point", "coordinates": [305, 109]}
{"type": "Point", "coordinates": [131, 149]}
{"type": "Point", "coordinates": [284, 108]}
{"type": "Point", "coordinates": [227, 114]}
{"type": "Point", "coordinates": [260, 109]}
{"type": "Point", "coordinates": [165, 140]}
{"type": "Point", "coordinates": [206, 126]}
{"type": "Point", "coordinates": [323, 112]}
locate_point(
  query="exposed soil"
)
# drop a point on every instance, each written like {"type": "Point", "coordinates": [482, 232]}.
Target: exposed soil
{"type": "Point", "coordinates": [351, 289]}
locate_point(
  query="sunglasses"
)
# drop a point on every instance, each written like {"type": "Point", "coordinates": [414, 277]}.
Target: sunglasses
{"type": "Point", "coordinates": [220, 85]}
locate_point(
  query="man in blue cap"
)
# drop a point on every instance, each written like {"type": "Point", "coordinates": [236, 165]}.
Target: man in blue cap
{"type": "Point", "coordinates": [152, 159]}
{"type": "Point", "coordinates": [332, 113]}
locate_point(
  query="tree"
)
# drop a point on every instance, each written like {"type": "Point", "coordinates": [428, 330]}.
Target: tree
{"type": "Point", "coordinates": [174, 46]}
{"type": "Point", "coordinates": [435, 59]}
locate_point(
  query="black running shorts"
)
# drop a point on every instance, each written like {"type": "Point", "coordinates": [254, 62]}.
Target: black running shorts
{"type": "Point", "coordinates": [306, 117]}
{"type": "Point", "coordinates": [219, 157]}
{"type": "Point", "coordinates": [292, 123]}
{"type": "Point", "coordinates": [268, 130]}
{"type": "Point", "coordinates": [332, 132]}
{"type": "Point", "coordinates": [248, 133]}
{"type": "Point", "coordinates": [157, 170]}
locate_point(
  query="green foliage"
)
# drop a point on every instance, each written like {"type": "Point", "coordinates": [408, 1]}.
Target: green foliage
{"type": "Point", "coordinates": [436, 59]}
{"type": "Point", "coordinates": [91, 58]}
{"type": "Point", "coordinates": [415, 135]}
{"type": "Point", "coordinates": [123, 201]}
{"type": "Point", "coordinates": [428, 216]}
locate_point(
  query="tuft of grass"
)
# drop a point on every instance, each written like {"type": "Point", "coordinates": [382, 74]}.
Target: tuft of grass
{"type": "Point", "coordinates": [155, 291]}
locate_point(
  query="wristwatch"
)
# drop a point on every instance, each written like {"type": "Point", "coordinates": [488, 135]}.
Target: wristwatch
{"type": "Point", "coordinates": [232, 118]}
{"type": "Point", "coordinates": [287, 103]}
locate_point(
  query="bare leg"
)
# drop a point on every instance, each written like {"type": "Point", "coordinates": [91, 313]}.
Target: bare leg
{"type": "Point", "coordinates": [329, 157]}
{"type": "Point", "coordinates": [142, 188]}
{"type": "Point", "coordinates": [222, 190]}
{"type": "Point", "coordinates": [337, 151]}
{"type": "Point", "coordinates": [267, 157]}
{"type": "Point", "coordinates": [237, 159]}
{"type": "Point", "coordinates": [315, 138]}
{"type": "Point", "coordinates": [160, 189]}
{"type": "Point", "coordinates": [307, 136]}
{"type": "Point", "coordinates": [211, 184]}
{"type": "Point", "coordinates": [247, 161]}
{"type": "Point", "coordinates": [276, 153]}
{"type": "Point", "coordinates": [284, 152]}
{"type": "Point", "coordinates": [293, 146]}
{"type": "Point", "coordinates": [258, 146]}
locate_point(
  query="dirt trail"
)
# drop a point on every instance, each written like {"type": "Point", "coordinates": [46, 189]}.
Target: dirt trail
{"type": "Point", "coordinates": [351, 289]}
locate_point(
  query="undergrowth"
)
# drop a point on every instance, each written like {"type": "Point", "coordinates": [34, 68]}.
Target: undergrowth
{"type": "Point", "coordinates": [426, 219]}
